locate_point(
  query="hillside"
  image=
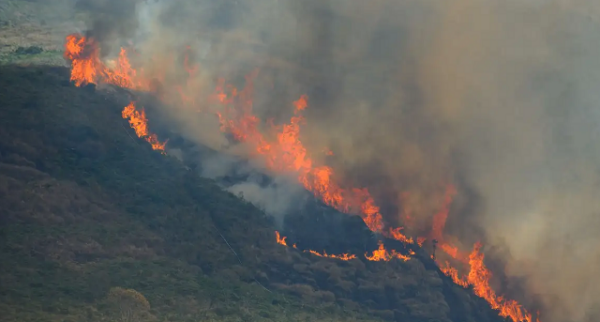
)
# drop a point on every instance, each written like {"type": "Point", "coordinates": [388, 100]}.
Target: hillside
{"type": "Point", "coordinates": [96, 226]}
{"type": "Point", "coordinates": [87, 207]}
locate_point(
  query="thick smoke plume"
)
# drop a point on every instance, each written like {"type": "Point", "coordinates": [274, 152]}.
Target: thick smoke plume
{"type": "Point", "coordinates": [495, 97]}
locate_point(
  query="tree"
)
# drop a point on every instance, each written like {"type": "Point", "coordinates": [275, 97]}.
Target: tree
{"type": "Point", "coordinates": [127, 305]}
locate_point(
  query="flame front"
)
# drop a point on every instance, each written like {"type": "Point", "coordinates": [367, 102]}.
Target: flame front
{"type": "Point", "coordinates": [283, 151]}
{"type": "Point", "coordinates": [286, 153]}
{"type": "Point", "coordinates": [479, 277]}
{"type": "Point", "coordinates": [345, 257]}
{"type": "Point", "coordinates": [453, 273]}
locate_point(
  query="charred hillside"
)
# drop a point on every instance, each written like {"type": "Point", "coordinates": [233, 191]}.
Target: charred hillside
{"type": "Point", "coordinates": [87, 208]}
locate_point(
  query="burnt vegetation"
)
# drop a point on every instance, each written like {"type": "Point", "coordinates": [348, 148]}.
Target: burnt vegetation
{"type": "Point", "coordinates": [92, 219]}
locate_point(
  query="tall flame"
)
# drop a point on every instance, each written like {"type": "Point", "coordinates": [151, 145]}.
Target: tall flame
{"type": "Point", "coordinates": [479, 277]}
{"type": "Point", "coordinates": [84, 56]}
{"type": "Point", "coordinates": [88, 68]}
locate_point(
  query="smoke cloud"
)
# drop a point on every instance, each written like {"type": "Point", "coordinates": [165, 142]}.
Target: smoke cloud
{"type": "Point", "coordinates": [496, 97]}
{"type": "Point", "coordinates": [111, 21]}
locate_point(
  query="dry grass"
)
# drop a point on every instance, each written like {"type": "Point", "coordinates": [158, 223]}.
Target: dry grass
{"type": "Point", "coordinates": [35, 23]}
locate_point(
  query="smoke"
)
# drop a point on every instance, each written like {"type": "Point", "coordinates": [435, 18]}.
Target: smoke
{"type": "Point", "coordinates": [514, 81]}
{"type": "Point", "coordinates": [276, 196]}
{"type": "Point", "coordinates": [111, 21]}
{"type": "Point", "coordinates": [495, 97]}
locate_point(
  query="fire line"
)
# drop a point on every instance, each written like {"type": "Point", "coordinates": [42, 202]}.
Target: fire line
{"type": "Point", "coordinates": [284, 153]}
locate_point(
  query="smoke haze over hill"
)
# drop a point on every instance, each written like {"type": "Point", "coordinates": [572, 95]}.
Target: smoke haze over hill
{"type": "Point", "coordinates": [497, 98]}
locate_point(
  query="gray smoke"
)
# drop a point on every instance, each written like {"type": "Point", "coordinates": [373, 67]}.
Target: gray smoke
{"type": "Point", "coordinates": [498, 97]}
{"type": "Point", "coordinates": [111, 21]}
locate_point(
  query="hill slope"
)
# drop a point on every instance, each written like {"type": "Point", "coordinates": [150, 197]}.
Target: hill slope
{"type": "Point", "coordinates": [93, 218]}
{"type": "Point", "coordinates": [86, 207]}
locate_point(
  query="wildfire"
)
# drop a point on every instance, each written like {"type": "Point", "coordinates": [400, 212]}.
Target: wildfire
{"type": "Point", "coordinates": [453, 273]}
{"type": "Point", "coordinates": [88, 68]}
{"type": "Point", "coordinates": [286, 153]}
{"type": "Point", "coordinates": [139, 122]}
{"type": "Point", "coordinates": [479, 277]}
{"type": "Point", "coordinates": [344, 257]}
{"type": "Point", "coordinates": [283, 151]}
{"type": "Point", "coordinates": [84, 57]}
{"type": "Point", "coordinates": [395, 233]}
{"type": "Point", "coordinates": [382, 254]}
{"type": "Point", "coordinates": [453, 252]}
{"type": "Point", "coordinates": [280, 240]}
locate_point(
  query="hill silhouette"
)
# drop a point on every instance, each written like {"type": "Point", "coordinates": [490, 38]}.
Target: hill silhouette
{"type": "Point", "coordinates": [97, 226]}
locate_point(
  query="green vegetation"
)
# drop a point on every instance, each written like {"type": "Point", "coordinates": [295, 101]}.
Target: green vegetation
{"type": "Point", "coordinates": [28, 26]}
{"type": "Point", "coordinates": [87, 207]}
{"type": "Point", "coordinates": [31, 55]}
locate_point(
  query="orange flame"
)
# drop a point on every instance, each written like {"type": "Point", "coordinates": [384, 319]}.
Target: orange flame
{"type": "Point", "coordinates": [139, 122]}
{"type": "Point", "coordinates": [86, 67]}
{"type": "Point", "coordinates": [395, 233]}
{"type": "Point", "coordinates": [287, 153]}
{"type": "Point", "coordinates": [344, 257]}
{"type": "Point", "coordinates": [479, 277]}
{"type": "Point", "coordinates": [83, 55]}
{"type": "Point", "coordinates": [382, 254]}
{"type": "Point", "coordinates": [453, 273]}
{"type": "Point", "coordinates": [280, 240]}
{"type": "Point", "coordinates": [453, 252]}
